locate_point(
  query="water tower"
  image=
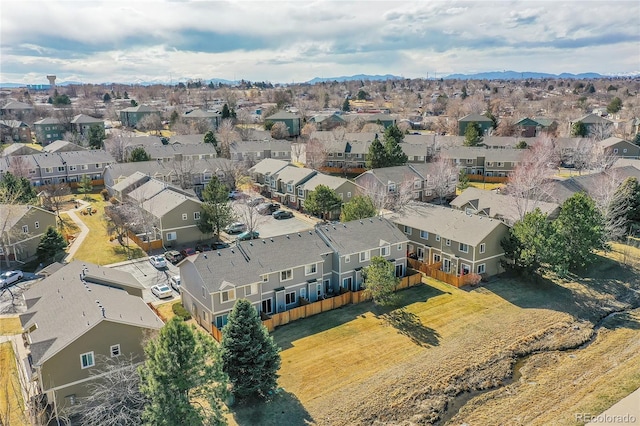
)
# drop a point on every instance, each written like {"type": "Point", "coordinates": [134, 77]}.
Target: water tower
{"type": "Point", "coordinates": [52, 81]}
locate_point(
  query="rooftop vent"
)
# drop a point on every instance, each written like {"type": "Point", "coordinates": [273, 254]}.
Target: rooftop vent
{"type": "Point", "coordinates": [205, 255]}
{"type": "Point", "coordinates": [264, 241]}
{"type": "Point", "coordinates": [287, 237]}
{"type": "Point", "coordinates": [299, 234]}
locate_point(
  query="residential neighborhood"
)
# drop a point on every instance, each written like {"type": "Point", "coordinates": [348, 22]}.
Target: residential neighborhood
{"type": "Point", "coordinates": [438, 245]}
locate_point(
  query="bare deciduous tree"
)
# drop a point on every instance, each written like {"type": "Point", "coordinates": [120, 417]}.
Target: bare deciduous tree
{"type": "Point", "coordinates": [54, 195]}
{"type": "Point", "coordinates": [19, 166]}
{"type": "Point", "coordinates": [150, 123]}
{"type": "Point", "coordinates": [279, 130]}
{"type": "Point", "coordinates": [393, 197]}
{"type": "Point", "coordinates": [226, 135]}
{"type": "Point", "coordinates": [603, 193]}
{"type": "Point", "coordinates": [114, 396]}
{"type": "Point", "coordinates": [444, 179]}
{"type": "Point", "coordinates": [316, 153]}
{"type": "Point", "coordinates": [528, 183]}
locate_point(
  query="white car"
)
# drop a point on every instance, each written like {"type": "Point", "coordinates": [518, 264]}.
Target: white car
{"type": "Point", "coordinates": [10, 277]}
{"type": "Point", "coordinates": [162, 291]}
{"type": "Point", "coordinates": [175, 282]}
{"type": "Point", "coordinates": [158, 261]}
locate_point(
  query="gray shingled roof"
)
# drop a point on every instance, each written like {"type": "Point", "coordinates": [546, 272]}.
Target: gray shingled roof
{"type": "Point", "coordinates": [479, 118]}
{"type": "Point", "coordinates": [394, 174]}
{"type": "Point", "coordinates": [63, 146]}
{"type": "Point", "coordinates": [498, 205]}
{"type": "Point", "coordinates": [282, 115]}
{"type": "Point", "coordinates": [14, 105]}
{"type": "Point", "coordinates": [86, 119]}
{"type": "Point", "coordinates": [198, 113]}
{"type": "Point", "coordinates": [48, 120]}
{"type": "Point", "coordinates": [359, 235]}
{"type": "Point", "coordinates": [265, 256]}
{"type": "Point", "coordinates": [255, 146]}
{"type": "Point", "coordinates": [293, 174]}
{"type": "Point", "coordinates": [450, 224]}
{"type": "Point", "coordinates": [19, 149]}
{"type": "Point", "coordinates": [64, 308]}
{"type": "Point", "coordinates": [165, 201]}
{"type": "Point", "coordinates": [154, 167]}
{"type": "Point", "coordinates": [268, 165]}
{"type": "Point", "coordinates": [332, 182]}
{"type": "Point", "coordinates": [135, 179]}
{"type": "Point", "coordinates": [140, 108]}
{"type": "Point", "coordinates": [593, 119]}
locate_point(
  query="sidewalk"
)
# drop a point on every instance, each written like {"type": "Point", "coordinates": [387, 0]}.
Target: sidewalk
{"type": "Point", "coordinates": [625, 412]}
{"type": "Point", "coordinates": [75, 245]}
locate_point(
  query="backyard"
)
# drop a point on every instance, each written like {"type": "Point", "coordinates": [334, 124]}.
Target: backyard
{"type": "Point", "coordinates": [362, 364]}
{"type": "Point", "coordinates": [100, 246]}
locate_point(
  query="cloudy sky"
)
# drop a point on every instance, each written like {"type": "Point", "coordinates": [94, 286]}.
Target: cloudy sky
{"type": "Point", "coordinates": [98, 41]}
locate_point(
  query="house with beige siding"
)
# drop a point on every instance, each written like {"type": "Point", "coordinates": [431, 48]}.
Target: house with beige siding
{"type": "Point", "coordinates": [81, 124]}
{"type": "Point", "coordinates": [344, 188]}
{"type": "Point", "coordinates": [463, 242]}
{"type": "Point", "coordinates": [15, 131]}
{"type": "Point", "coordinates": [78, 317]}
{"type": "Point", "coordinates": [21, 228]}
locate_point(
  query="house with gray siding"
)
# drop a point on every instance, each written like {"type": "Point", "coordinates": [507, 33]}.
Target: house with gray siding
{"type": "Point", "coordinates": [252, 152]}
{"type": "Point", "coordinates": [291, 120]}
{"type": "Point", "coordinates": [344, 188]}
{"type": "Point", "coordinates": [23, 227]}
{"type": "Point", "coordinates": [48, 130]}
{"type": "Point", "coordinates": [355, 243]}
{"type": "Point", "coordinates": [130, 117]}
{"type": "Point", "coordinates": [274, 274]}
{"type": "Point", "coordinates": [81, 124]}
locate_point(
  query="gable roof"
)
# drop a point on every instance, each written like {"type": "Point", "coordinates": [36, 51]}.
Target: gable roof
{"type": "Point", "coordinates": [198, 113]}
{"type": "Point", "coordinates": [450, 224]}
{"type": "Point", "coordinates": [605, 143]}
{"type": "Point", "coordinates": [282, 115]}
{"type": "Point", "coordinates": [593, 119]}
{"type": "Point", "coordinates": [17, 105]}
{"type": "Point", "coordinates": [478, 118]}
{"type": "Point", "coordinates": [268, 166]}
{"type": "Point", "coordinates": [333, 182]}
{"type": "Point", "coordinates": [360, 235]}
{"type": "Point", "coordinates": [140, 108]}
{"type": "Point", "coordinates": [230, 266]}
{"type": "Point", "coordinates": [13, 213]}
{"type": "Point", "coordinates": [64, 307]}
{"type": "Point", "coordinates": [137, 178]}
{"type": "Point", "coordinates": [19, 149]}
{"type": "Point", "coordinates": [47, 120]}
{"type": "Point", "coordinates": [167, 200]}
{"type": "Point", "coordinates": [497, 205]}
{"type": "Point", "coordinates": [293, 174]}
{"type": "Point", "coordinates": [61, 145]}
{"type": "Point", "coordinates": [86, 119]}
{"type": "Point", "coordinates": [165, 168]}
{"type": "Point", "coordinates": [395, 174]}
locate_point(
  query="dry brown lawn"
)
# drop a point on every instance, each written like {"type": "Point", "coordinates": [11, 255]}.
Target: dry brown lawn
{"type": "Point", "coordinates": [11, 403]}
{"type": "Point", "coordinates": [360, 364]}
{"type": "Point", "coordinates": [10, 325]}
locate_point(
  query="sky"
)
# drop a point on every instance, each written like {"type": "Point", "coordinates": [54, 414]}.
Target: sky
{"type": "Point", "coordinates": [103, 41]}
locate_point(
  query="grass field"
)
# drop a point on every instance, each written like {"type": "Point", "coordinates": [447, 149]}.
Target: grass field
{"type": "Point", "coordinates": [9, 326]}
{"type": "Point", "coordinates": [361, 364]}
{"type": "Point", "coordinates": [97, 247]}
{"type": "Point", "coordinates": [11, 403]}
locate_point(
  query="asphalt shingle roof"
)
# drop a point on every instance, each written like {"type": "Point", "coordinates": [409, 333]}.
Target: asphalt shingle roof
{"type": "Point", "coordinates": [359, 235]}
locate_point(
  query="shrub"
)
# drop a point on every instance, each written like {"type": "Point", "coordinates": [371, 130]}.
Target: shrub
{"type": "Point", "coordinates": [105, 194]}
{"type": "Point", "coordinates": [180, 311]}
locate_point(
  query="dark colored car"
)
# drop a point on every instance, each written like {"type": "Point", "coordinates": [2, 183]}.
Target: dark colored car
{"type": "Point", "coordinates": [203, 247]}
{"type": "Point", "coordinates": [173, 256]}
{"type": "Point", "coordinates": [248, 235]}
{"type": "Point", "coordinates": [186, 252]}
{"type": "Point", "coordinates": [268, 208]}
{"type": "Point", "coordinates": [282, 214]}
{"type": "Point", "coordinates": [219, 245]}
{"type": "Point", "coordinates": [256, 201]}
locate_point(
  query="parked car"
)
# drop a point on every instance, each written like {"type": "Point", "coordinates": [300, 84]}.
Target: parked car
{"type": "Point", "coordinates": [175, 282]}
{"type": "Point", "coordinates": [188, 251]}
{"type": "Point", "coordinates": [217, 245]}
{"type": "Point", "coordinates": [256, 201]}
{"type": "Point", "coordinates": [203, 247]}
{"type": "Point", "coordinates": [282, 214]}
{"type": "Point", "coordinates": [248, 235]}
{"type": "Point", "coordinates": [235, 228]}
{"type": "Point", "coordinates": [268, 208]}
{"type": "Point", "coordinates": [173, 256]}
{"type": "Point", "coordinates": [233, 195]}
{"type": "Point", "coordinates": [158, 261]}
{"type": "Point", "coordinates": [162, 291]}
{"type": "Point", "coordinates": [10, 277]}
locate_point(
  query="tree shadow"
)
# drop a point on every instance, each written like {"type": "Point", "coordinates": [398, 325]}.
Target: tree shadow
{"type": "Point", "coordinates": [603, 287]}
{"type": "Point", "coordinates": [284, 335]}
{"type": "Point", "coordinates": [408, 324]}
{"type": "Point", "coordinates": [283, 409]}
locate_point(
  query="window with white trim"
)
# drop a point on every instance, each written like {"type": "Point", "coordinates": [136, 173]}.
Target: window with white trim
{"type": "Point", "coordinates": [437, 237]}
{"type": "Point", "coordinates": [185, 216]}
{"type": "Point", "coordinates": [399, 247]}
{"type": "Point", "coordinates": [84, 167]}
{"type": "Point", "coordinates": [73, 168]}
{"type": "Point", "coordinates": [300, 192]}
{"type": "Point", "coordinates": [384, 251]}
{"type": "Point", "coordinates": [463, 247]}
{"type": "Point", "coordinates": [61, 168]}
{"type": "Point", "coordinates": [348, 195]}
{"type": "Point", "coordinates": [265, 278]}
{"type": "Point", "coordinates": [290, 298]}
{"type": "Point", "coordinates": [481, 268]}
{"type": "Point", "coordinates": [87, 360]}
{"type": "Point", "coordinates": [196, 215]}
{"type": "Point", "coordinates": [290, 188]}
{"type": "Point", "coordinates": [227, 295]}
{"type": "Point", "coordinates": [286, 275]}
{"type": "Point", "coordinates": [37, 225]}
{"type": "Point", "coordinates": [447, 242]}
{"type": "Point", "coordinates": [364, 256]}
{"type": "Point", "coordinates": [25, 229]}
{"type": "Point", "coordinates": [310, 269]}
{"type": "Point", "coordinates": [407, 230]}
{"type": "Point", "coordinates": [171, 236]}
{"type": "Point", "coordinates": [251, 289]}
{"type": "Point", "coordinates": [48, 170]}
{"type": "Point", "coordinates": [500, 164]}
{"type": "Point", "coordinates": [114, 350]}
{"type": "Point", "coordinates": [424, 235]}
{"type": "Point", "coordinates": [482, 248]}
{"type": "Point", "coordinates": [347, 258]}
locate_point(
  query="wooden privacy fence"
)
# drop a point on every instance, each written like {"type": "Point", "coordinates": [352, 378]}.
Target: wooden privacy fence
{"type": "Point", "coordinates": [315, 308]}
{"type": "Point", "coordinates": [145, 245]}
{"type": "Point", "coordinates": [433, 270]}
{"type": "Point", "coordinates": [487, 179]}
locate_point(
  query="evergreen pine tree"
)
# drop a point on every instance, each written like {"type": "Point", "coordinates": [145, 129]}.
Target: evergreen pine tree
{"type": "Point", "coordinates": [393, 137]}
{"type": "Point", "coordinates": [183, 369]}
{"type": "Point", "coordinates": [377, 156]}
{"type": "Point", "coordinates": [225, 112]}
{"type": "Point", "coordinates": [249, 355]}
{"type": "Point", "coordinates": [51, 245]}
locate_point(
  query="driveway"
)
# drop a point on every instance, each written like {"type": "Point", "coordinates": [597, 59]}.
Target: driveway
{"type": "Point", "coordinates": [268, 227]}
{"type": "Point", "coordinates": [149, 276]}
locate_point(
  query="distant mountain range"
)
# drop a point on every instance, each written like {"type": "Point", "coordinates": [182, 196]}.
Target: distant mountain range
{"type": "Point", "coordinates": [493, 75]}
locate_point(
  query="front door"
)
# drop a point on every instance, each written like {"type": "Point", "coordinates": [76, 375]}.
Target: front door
{"type": "Point", "coordinates": [399, 270]}
{"type": "Point", "coordinates": [347, 283]}
{"type": "Point", "coordinates": [303, 293]}
{"type": "Point", "coordinates": [420, 254]}
{"type": "Point", "coordinates": [446, 265]}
